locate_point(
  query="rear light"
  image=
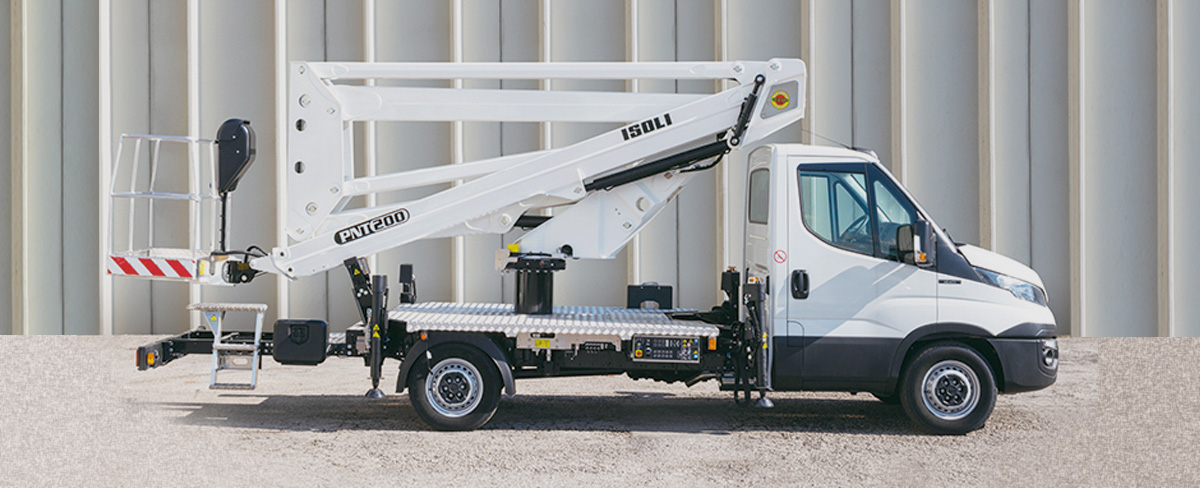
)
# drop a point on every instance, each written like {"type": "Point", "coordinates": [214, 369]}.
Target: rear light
{"type": "Point", "coordinates": [148, 357]}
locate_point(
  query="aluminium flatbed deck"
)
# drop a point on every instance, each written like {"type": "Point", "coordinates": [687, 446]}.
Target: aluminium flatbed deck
{"type": "Point", "coordinates": [500, 318]}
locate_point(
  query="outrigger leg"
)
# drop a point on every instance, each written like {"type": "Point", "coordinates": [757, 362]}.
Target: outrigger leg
{"type": "Point", "coordinates": [371, 297]}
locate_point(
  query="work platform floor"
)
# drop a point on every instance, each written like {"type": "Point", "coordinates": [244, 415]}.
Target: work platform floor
{"type": "Point", "coordinates": [75, 412]}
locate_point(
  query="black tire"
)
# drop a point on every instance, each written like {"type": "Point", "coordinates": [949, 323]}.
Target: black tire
{"type": "Point", "coordinates": [961, 389]}
{"type": "Point", "coordinates": [458, 389]}
{"type": "Point", "coordinates": [888, 399]}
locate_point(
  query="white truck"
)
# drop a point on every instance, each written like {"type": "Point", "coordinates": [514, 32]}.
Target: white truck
{"type": "Point", "coordinates": [847, 284]}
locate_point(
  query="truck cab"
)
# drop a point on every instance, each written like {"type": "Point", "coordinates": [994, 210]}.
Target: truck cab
{"type": "Point", "coordinates": [866, 292]}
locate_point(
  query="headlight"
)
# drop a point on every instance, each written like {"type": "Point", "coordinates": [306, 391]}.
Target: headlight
{"type": "Point", "coordinates": [1019, 288]}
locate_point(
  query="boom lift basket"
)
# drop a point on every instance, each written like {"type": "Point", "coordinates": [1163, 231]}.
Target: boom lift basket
{"type": "Point", "coordinates": [163, 217]}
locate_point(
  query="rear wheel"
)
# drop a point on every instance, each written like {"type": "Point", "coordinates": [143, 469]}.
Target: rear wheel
{"type": "Point", "coordinates": [458, 389]}
{"type": "Point", "coordinates": [948, 388]}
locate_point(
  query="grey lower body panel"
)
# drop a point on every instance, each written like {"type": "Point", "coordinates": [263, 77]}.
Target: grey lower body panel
{"type": "Point", "coordinates": [1022, 366]}
{"type": "Point", "coordinates": [499, 318]}
{"type": "Point", "coordinates": [865, 363]}
{"type": "Point", "coordinates": [833, 363]}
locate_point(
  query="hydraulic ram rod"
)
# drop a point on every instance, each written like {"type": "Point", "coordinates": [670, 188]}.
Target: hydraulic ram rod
{"type": "Point", "coordinates": [687, 157]}
{"type": "Point", "coordinates": [655, 167]}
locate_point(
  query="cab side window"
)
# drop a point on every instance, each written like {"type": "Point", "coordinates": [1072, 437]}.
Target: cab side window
{"type": "Point", "coordinates": [833, 205]}
{"type": "Point", "coordinates": [759, 206]}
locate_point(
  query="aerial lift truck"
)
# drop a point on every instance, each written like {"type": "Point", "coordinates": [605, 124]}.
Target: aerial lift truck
{"type": "Point", "coordinates": [847, 283]}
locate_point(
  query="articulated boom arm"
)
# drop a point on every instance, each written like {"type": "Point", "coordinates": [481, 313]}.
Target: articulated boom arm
{"type": "Point", "coordinates": [607, 210]}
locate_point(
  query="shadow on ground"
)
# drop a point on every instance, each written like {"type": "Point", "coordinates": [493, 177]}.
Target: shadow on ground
{"type": "Point", "coordinates": [625, 412]}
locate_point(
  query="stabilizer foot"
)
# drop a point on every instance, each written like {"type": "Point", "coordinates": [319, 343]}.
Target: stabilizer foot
{"type": "Point", "coordinates": [764, 402]}
{"type": "Point", "coordinates": [375, 393]}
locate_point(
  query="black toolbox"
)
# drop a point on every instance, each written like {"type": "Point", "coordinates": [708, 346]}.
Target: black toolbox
{"type": "Point", "coordinates": [302, 342]}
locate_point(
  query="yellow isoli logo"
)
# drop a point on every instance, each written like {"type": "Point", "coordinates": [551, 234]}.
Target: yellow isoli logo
{"type": "Point", "coordinates": [780, 100]}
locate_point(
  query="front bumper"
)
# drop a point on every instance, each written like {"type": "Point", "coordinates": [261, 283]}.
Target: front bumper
{"type": "Point", "coordinates": [1027, 364]}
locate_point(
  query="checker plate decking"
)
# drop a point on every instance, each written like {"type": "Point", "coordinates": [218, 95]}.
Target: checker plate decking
{"type": "Point", "coordinates": [499, 318]}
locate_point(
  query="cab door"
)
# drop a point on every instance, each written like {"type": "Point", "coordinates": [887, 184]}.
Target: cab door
{"type": "Point", "coordinates": [852, 297]}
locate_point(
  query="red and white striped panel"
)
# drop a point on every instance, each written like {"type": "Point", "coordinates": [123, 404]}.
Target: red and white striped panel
{"type": "Point", "coordinates": [152, 267]}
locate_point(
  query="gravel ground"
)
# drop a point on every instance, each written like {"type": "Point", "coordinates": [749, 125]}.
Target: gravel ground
{"type": "Point", "coordinates": [1124, 413]}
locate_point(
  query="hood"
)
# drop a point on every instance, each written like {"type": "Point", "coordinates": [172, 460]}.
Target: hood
{"type": "Point", "coordinates": [983, 258]}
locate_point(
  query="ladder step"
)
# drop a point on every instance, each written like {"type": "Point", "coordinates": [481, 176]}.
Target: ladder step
{"type": "Point", "coordinates": [237, 359]}
{"type": "Point", "coordinates": [234, 347]}
{"type": "Point", "coordinates": [228, 307]}
{"type": "Point", "coordinates": [232, 355]}
{"type": "Point", "coordinates": [231, 386]}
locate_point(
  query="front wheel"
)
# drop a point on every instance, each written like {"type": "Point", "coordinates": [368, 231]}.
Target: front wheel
{"type": "Point", "coordinates": [948, 388]}
{"type": "Point", "coordinates": [458, 389]}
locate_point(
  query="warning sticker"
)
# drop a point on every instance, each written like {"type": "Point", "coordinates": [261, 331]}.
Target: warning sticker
{"type": "Point", "coordinates": [780, 256]}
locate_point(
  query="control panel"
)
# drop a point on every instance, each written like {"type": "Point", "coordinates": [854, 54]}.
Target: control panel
{"type": "Point", "coordinates": [666, 349]}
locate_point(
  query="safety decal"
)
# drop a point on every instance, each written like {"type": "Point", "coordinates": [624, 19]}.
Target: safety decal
{"type": "Point", "coordinates": [780, 100]}
{"type": "Point", "coordinates": [780, 256]}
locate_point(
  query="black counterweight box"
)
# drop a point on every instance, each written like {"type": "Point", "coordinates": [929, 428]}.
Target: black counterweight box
{"type": "Point", "coordinates": [301, 341]}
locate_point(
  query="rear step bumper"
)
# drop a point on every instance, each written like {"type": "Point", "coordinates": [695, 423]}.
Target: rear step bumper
{"type": "Point", "coordinates": [200, 341]}
{"type": "Point", "coordinates": [164, 351]}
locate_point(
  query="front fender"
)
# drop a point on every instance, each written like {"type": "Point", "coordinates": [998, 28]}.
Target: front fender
{"type": "Point", "coordinates": [953, 330]}
{"type": "Point", "coordinates": [483, 343]}
{"type": "Point", "coordinates": [928, 332]}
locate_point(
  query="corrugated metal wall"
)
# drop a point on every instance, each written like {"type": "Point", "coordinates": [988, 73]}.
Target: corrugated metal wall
{"type": "Point", "coordinates": [1054, 131]}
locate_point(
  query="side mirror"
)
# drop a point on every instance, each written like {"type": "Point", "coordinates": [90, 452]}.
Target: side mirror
{"type": "Point", "coordinates": [915, 243]}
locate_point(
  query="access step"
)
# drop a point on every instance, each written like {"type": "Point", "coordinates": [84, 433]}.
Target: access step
{"type": "Point", "coordinates": [232, 356]}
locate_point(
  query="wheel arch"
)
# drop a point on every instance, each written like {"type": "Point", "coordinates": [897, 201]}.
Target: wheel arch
{"type": "Point", "coordinates": [480, 342]}
{"type": "Point", "coordinates": [969, 335]}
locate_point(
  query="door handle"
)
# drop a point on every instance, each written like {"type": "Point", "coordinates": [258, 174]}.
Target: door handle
{"type": "Point", "coordinates": [799, 284]}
